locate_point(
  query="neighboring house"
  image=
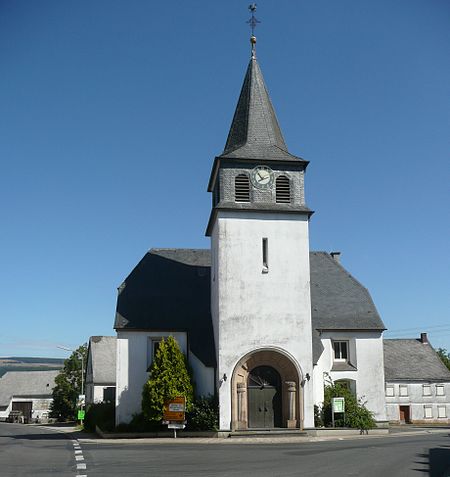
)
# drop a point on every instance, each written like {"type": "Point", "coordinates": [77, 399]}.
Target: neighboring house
{"type": "Point", "coordinates": [29, 392]}
{"type": "Point", "coordinates": [101, 370]}
{"type": "Point", "coordinates": [262, 320]}
{"type": "Point", "coordinates": [417, 382]}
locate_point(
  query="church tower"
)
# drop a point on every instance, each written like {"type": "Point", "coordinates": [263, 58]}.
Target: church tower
{"type": "Point", "coordinates": [260, 276]}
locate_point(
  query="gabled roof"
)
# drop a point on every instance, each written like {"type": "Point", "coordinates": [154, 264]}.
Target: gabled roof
{"type": "Point", "coordinates": [338, 300]}
{"type": "Point", "coordinates": [254, 131]}
{"type": "Point", "coordinates": [412, 360]}
{"type": "Point", "coordinates": [102, 355]}
{"type": "Point", "coordinates": [170, 290]}
{"type": "Point", "coordinates": [26, 384]}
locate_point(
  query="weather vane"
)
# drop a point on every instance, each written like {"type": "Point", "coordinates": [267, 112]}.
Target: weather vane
{"type": "Point", "coordinates": [253, 22]}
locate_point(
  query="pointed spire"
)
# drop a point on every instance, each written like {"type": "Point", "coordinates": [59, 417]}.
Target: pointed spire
{"type": "Point", "coordinates": [254, 131]}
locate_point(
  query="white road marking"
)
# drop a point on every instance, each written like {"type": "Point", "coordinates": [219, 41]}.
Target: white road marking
{"type": "Point", "coordinates": [78, 475]}
{"type": "Point", "coordinates": [81, 466]}
{"type": "Point", "coordinates": [79, 457]}
{"type": "Point", "coordinates": [78, 452]}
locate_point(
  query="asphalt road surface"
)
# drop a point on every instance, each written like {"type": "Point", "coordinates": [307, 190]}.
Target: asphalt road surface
{"type": "Point", "coordinates": [30, 451]}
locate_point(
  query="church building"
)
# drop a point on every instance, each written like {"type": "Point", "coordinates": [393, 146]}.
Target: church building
{"type": "Point", "coordinates": [264, 322]}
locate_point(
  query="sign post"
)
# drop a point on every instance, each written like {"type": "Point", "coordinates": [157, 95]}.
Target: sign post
{"type": "Point", "coordinates": [174, 414]}
{"type": "Point", "coordinates": [337, 407]}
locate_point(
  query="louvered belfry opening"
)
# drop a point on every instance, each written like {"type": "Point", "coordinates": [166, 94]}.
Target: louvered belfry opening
{"type": "Point", "coordinates": [283, 190]}
{"type": "Point", "coordinates": [242, 188]}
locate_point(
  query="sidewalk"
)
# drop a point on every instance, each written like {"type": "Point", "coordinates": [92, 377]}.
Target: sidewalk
{"type": "Point", "coordinates": [394, 433]}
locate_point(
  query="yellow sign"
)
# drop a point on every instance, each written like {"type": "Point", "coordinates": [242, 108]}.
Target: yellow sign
{"type": "Point", "coordinates": [174, 409]}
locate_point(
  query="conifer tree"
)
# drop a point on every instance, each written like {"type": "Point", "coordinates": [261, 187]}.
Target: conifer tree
{"type": "Point", "coordinates": [169, 378]}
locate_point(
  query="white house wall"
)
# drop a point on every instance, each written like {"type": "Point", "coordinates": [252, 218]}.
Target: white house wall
{"type": "Point", "coordinates": [133, 359]}
{"type": "Point", "coordinates": [40, 407]}
{"type": "Point", "coordinates": [203, 376]}
{"type": "Point", "coordinates": [254, 310]}
{"type": "Point", "coordinates": [366, 353]}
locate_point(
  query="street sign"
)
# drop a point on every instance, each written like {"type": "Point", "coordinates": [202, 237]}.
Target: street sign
{"type": "Point", "coordinates": [176, 425]}
{"type": "Point", "coordinates": [338, 404]}
{"type": "Point", "coordinates": [174, 409]}
{"type": "Point", "coordinates": [81, 414]}
{"type": "Point", "coordinates": [81, 399]}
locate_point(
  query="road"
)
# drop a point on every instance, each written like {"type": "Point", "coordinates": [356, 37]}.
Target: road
{"type": "Point", "coordinates": [26, 450]}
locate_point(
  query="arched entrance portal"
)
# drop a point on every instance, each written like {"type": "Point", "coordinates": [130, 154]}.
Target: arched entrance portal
{"type": "Point", "coordinates": [264, 397]}
{"type": "Point", "coordinates": [266, 392]}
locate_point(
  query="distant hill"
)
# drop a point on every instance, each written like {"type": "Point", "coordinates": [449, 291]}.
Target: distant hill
{"type": "Point", "coordinates": [29, 364]}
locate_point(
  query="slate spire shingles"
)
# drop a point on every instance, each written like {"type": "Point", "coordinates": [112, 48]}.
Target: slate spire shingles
{"type": "Point", "coordinates": [254, 131]}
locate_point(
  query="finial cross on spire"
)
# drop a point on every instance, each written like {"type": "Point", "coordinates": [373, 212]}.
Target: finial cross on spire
{"type": "Point", "coordinates": [253, 21]}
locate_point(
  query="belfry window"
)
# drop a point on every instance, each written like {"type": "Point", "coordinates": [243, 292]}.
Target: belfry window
{"type": "Point", "coordinates": [242, 188]}
{"type": "Point", "coordinates": [282, 190]}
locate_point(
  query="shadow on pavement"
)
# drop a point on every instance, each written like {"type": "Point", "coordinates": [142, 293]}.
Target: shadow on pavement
{"type": "Point", "coordinates": [438, 461]}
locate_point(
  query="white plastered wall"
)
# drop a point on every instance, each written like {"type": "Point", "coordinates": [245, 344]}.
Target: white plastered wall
{"type": "Point", "coordinates": [366, 353]}
{"type": "Point", "coordinates": [133, 360]}
{"type": "Point", "coordinates": [254, 310]}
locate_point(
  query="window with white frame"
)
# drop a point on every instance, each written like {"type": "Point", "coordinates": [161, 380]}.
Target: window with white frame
{"type": "Point", "coordinates": [426, 390]}
{"type": "Point", "coordinates": [390, 391]}
{"type": "Point", "coordinates": [153, 344]}
{"type": "Point", "coordinates": [340, 350]}
{"type": "Point", "coordinates": [442, 411]}
{"type": "Point", "coordinates": [403, 390]}
{"type": "Point", "coordinates": [440, 390]}
{"type": "Point", "coordinates": [427, 412]}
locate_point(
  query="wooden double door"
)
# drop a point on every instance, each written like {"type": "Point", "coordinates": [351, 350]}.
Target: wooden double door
{"type": "Point", "coordinates": [264, 398]}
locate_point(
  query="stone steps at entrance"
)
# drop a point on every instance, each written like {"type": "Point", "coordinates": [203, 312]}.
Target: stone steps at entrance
{"type": "Point", "coordinates": [268, 433]}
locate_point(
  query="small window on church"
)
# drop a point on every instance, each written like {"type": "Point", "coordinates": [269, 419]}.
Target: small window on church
{"type": "Point", "coordinates": [242, 188]}
{"type": "Point", "coordinates": [340, 350]}
{"type": "Point", "coordinates": [282, 190]}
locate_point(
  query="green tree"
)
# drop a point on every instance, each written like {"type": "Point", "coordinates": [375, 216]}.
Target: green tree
{"type": "Point", "coordinates": [356, 414]}
{"type": "Point", "coordinates": [445, 356]}
{"type": "Point", "coordinates": [169, 378]}
{"type": "Point", "coordinates": [68, 386]}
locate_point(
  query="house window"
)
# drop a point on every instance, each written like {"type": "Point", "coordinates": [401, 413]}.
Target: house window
{"type": "Point", "coordinates": [282, 190]}
{"type": "Point", "coordinates": [440, 390]}
{"type": "Point", "coordinates": [109, 394]}
{"type": "Point", "coordinates": [390, 391]}
{"type": "Point", "coordinates": [427, 412]}
{"type": "Point", "coordinates": [153, 345]}
{"type": "Point", "coordinates": [242, 188]}
{"type": "Point", "coordinates": [442, 411]}
{"type": "Point", "coordinates": [340, 350]}
{"type": "Point", "coordinates": [426, 390]}
{"type": "Point", "coordinates": [403, 390]}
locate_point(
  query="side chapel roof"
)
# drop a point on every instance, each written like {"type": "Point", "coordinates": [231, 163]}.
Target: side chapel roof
{"type": "Point", "coordinates": [170, 290]}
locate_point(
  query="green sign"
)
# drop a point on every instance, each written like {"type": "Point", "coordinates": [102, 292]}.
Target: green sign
{"type": "Point", "coordinates": [339, 404]}
{"type": "Point", "coordinates": [80, 414]}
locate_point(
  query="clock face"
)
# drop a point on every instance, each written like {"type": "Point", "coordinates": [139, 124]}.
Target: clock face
{"type": "Point", "coordinates": [262, 177]}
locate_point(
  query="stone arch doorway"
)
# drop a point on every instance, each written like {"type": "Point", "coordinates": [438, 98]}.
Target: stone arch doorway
{"type": "Point", "coordinates": [264, 397]}
{"type": "Point", "coordinates": [266, 392]}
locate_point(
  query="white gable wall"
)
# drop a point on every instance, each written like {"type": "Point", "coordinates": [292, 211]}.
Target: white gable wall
{"type": "Point", "coordinates": [133, 359]}
{"type": "Point", "coordinates": [366, 354]}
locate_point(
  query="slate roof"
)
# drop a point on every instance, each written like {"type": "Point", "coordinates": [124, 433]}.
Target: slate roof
{"type": "Point", "coordinates": [338, 300]}
{"type": "Point", "coordinates": [254, 131]}
{"type": "Point", "coordinates": [26, 384]}
{"type": "Point", "coordinates": [102, 354]}
{"type": "Point", "coordinates": [412, 360]}
{"type": "Point", "coordinates": [170, 290]}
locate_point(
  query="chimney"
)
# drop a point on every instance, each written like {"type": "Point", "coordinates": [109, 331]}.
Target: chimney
{"type": "Point", "coordinates": [336, 256]}
{"type": "Point", "coordinates": [424, 338]}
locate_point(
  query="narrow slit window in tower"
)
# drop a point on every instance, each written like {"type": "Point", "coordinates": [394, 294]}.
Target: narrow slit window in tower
{"type": "Point", "coordinates": [265, 255]}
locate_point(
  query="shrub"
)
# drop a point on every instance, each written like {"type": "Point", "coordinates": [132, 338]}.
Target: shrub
{"type": "Point", "coordinates": [356, 414]}
{"type": "Point", "coordinates": [169, 378]}
{"type": "Point", "coordinates": [204, 415]}
{"type": "Point", "coordinates": [101, 415]}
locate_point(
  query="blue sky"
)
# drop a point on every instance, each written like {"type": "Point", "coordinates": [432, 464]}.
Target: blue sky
{"type": "Point", "coordinates": [111, 113]}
